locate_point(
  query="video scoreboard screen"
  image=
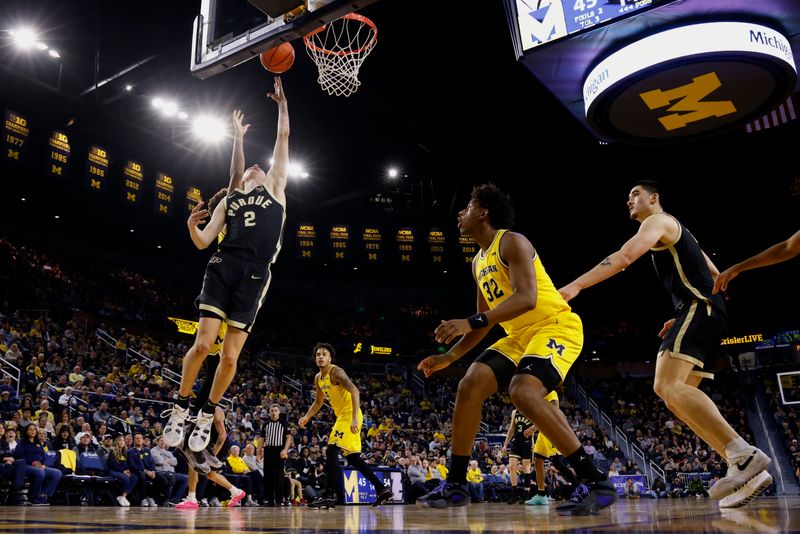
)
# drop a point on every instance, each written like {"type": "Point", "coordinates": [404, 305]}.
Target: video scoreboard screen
{"type": "Point", "coordinates": [16, 132]}
{"type": "Point", "coordinates": [164, 193]}
{"type": "Point", "coordinates": [97, 169]}
{"type": "Point", "coordinates": [358, 490]}
{"type": "Point", "coordinates": [58, 154]}
{"type": "Point", "coordinates": [547, 21]}
{"type": "Point", "coordinates": [132, 176]}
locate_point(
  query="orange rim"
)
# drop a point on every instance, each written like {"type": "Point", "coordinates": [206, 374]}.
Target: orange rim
{"type": "Point", "coordinates": [352, 16]}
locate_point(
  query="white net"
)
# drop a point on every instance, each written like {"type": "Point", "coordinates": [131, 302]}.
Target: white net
{"type": "Point", "coordinates": [338, 49]}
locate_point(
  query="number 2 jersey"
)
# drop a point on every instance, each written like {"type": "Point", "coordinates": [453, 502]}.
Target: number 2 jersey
{"type": "Point", "coordinates": [254, 224]}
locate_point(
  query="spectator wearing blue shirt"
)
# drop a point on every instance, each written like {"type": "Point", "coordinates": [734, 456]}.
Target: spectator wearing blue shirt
{"type": "Point", "coordinates": [31, 450]}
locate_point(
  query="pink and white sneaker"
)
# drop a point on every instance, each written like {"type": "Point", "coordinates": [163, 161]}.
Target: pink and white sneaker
{"type": "Point", "coordinates": [186, 505]}
{"type": "Point", "coordinates": [236, 499]}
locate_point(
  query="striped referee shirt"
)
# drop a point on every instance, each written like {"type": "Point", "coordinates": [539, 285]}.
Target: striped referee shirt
{"type": "Point", "coordinates": [275, 432]}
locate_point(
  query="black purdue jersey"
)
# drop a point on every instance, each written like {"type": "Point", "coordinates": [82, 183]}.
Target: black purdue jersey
{"type": "Point", "coordinates": [521, 424]}
{"type": "Point", "coordinates": [683, 271]}
{"type": "Point", "coordinates": [253, 225]}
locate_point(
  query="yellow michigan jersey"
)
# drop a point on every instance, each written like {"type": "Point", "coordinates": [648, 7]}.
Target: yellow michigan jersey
{"type": "Point", "coordinates": [492, 276]}
{"type": "Point", "coordinates": [543, 446]}
{"type": "Point", "coordinates": [216, 348]}
{"type": "Point", "coordinates": [342, 403]}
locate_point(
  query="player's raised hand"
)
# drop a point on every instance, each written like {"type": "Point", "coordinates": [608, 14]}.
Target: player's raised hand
{"type": "Point", "coordinates": [666, 328]}
{"type": "Point", "coordinates": [277, 94]}
{"type": "Point", "coordinates": [198, 216]}
{"type": "Point", "coordinates": [447, 331]}
{"type": "Point", "coordinates": [431, 364]}
{"type": "Point", "coordinates": [723, 279]}
{"type": "Point", "coordinates": [302, 422]}
{"type": "Point", "coordinates": [239, 129]}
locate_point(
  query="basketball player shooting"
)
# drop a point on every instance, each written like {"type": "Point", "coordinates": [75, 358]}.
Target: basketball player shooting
{"type": "Point", "coordinates": [238, 274]}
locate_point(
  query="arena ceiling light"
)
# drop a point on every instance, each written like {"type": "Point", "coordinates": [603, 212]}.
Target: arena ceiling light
{"type": "Point", "coordinates": [209, 129]}
{"type": "Point", "coordinates": [54, 53]}
{"type": "Point", "coordinates": [24, 38]}
{"type": "Point", "coordinates": [393, 173]}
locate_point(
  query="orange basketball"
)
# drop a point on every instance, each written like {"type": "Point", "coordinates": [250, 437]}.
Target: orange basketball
{"type": "Point", "coordinates": [279, 59]}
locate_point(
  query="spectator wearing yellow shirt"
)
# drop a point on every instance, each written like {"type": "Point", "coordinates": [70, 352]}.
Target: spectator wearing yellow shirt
{"type": "Point", "coordinates": [76, 375]}
{"type": "Point", "coordinates": [373, 431]}
{"type": "Point", "coordinates": [136, 370]}
{"type": "Point", "coordinates": [34, 368]}
{"type": "Point", "coordinates": [475, 482]}
{"type": "Point", "coordinates": [430, 472]}
{"type": "Point", "coordinates": [442, 468]}
{"type": "Point", "coordinates": [238, 467]}
{"type": "Point", "coordinates": [44, 408]}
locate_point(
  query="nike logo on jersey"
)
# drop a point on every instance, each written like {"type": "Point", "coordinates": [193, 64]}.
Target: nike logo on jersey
{"type": "Point", "coordinates": [743, 466]}
{"type": "Point", "coordinates": [254, 277]}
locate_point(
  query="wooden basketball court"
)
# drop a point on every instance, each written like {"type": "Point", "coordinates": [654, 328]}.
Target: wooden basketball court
{"type": "Point", "coordinates": [775, 514]}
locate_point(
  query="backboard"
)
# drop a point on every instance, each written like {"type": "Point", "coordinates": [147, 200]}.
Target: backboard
{"type": "Point", "coordinates": [227, 33]}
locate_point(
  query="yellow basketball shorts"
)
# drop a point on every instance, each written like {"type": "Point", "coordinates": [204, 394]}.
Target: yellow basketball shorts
{"type": "Point", "coordinates": [343, 437]}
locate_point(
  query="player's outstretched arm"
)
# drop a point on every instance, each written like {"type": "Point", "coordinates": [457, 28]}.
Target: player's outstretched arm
{"type": "Point", "coordinates": [279, 171]}
{"type": "Point", "coordinates": [785, 250]}
{"type": "Point", "coordinates": [650, 232]}
{"type": "Point", "coordinates": [237, 158]}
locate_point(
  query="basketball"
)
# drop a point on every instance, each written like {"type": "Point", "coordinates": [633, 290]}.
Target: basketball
{"type": "Point", "coordinates": [279, 59]}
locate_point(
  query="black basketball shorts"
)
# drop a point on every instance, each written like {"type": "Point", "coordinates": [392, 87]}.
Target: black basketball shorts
{"type": "Point", "coordinates": [233, 290]}
{"type": "Point", "coordinates": [696, 335]}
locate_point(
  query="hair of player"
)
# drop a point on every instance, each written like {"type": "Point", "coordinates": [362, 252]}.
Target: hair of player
{"type": "Point", "coordinates": [651, 186]}
{"type": "Point", "coordinates": [215, 199]}
{"type": "Point", "coordinates": [326, 346]}
{"type": "Point", "coordinates": [497, 203]}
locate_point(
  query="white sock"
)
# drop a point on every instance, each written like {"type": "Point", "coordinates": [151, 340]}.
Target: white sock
{"type": "Point", "coordinates": [235, 491]}
{"type": "Point", "coordinates": [736, 445]}
{"type": "Point", "coordinates": [192, 496]}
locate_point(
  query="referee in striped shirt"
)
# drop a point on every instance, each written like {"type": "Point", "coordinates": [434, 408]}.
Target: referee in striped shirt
{"type": "Point", "coordinates": [275, 440]}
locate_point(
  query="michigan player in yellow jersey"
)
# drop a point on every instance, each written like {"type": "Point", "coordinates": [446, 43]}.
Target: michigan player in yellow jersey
{"type": "Point", "coordinates": [333, 384]}
{"type": "Point", "coordinates": [544, 338]}
{"type": "Point", "coordinates": [543, 449]}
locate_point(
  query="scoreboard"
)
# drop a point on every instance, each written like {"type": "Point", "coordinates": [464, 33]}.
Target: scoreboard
{"type": "Point", "coordinates": [547, 21]}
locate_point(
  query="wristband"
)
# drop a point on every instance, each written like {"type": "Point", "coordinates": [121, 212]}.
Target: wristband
{"type": "Point", "coordinates": [478, 321]}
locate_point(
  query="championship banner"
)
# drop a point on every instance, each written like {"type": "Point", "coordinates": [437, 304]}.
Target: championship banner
{"type": "Point", "coordinates": [97, 169]}
{"type": "Point", "coordinates": [306, 241]}
{"type": "Point", "coordinates": [405, 244]}
{"type": "Point", "coordinates": [436, 243]}
{"type": "Point", "coordinates": [16, 135]}
{"type": "Point", "coordinates": [468, 248]}
{"type": "Point", "coordinates": [165, 191]}
{"type": "Point", "coordinates": [340, 242]}
{"type": "Point", "coordinates": [193, 197]}
{"type": "Point", "coordinates": [133, 176]}
{"type": "Point", "coordinates": [373, 245]}
{"type": "Point", "coordinates": [58, 154]}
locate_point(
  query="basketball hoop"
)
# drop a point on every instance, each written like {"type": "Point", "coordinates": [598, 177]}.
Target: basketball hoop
{"type": "Point", "coordinates": [338, 48]}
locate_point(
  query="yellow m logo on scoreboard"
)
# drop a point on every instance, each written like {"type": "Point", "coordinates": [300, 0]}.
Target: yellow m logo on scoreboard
{"type": "Point", "coordinates": [689, 100]}
{"type": "Point", "coordinates": [351, 486]}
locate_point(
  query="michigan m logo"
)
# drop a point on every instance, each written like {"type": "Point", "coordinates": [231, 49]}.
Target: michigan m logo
{"type": "Point", "coordinates": [540, 25]}
{"type": "Point", "coordinates": [338, 434]}
{"type": "Point", "coordinates": [689, 100]}
{"type": "Point", "coordinates": [13, 154]}
{"type": "Point", "coordinates": [55, 169]}
{"type": "Point", "coordinates": [95, 184]}
{"type": "Point", "coordinates": [556, 347]}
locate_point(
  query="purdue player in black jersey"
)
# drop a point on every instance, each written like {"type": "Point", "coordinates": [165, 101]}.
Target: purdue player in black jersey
{"type": "Point", "coordinates": [690, 339]}
{"type": "Point", "coordinates": [238, 274]}
{"type": "Point", "coordinates": [519, 437]}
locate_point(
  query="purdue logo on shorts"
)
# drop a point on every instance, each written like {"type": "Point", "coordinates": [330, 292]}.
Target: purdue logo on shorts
{"type": "Point", "coordinates": [215, 259]}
